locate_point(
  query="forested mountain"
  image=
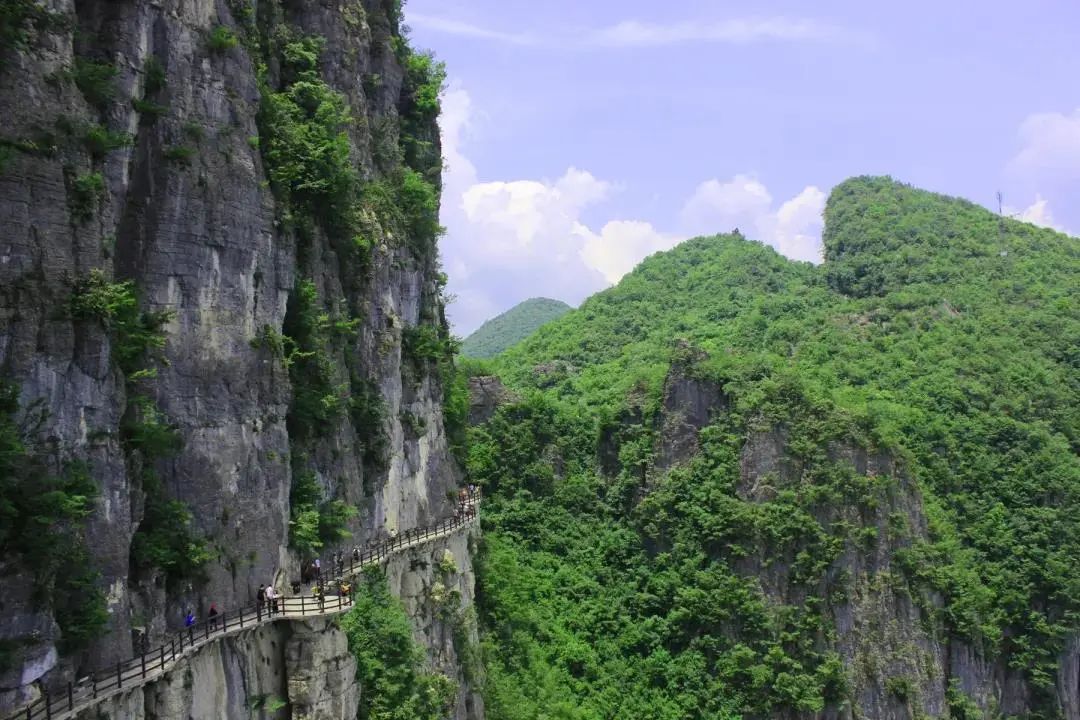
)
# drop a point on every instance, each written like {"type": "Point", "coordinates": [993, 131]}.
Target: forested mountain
{"type": "Point", "coordinates": [741, 486]}
{"type": "Point", "coordinates": [513, 326]}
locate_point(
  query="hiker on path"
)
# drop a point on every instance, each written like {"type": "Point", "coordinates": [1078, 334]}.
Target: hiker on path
{"type": "Point", "coordinates": [189, 619]}
{"type": "Point", "coordinates": [212, 616]}
{"type": "Point", "coordinates": [260, 597]}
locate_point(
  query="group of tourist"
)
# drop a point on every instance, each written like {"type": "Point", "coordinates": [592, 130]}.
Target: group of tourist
{"type": "Point", "coordinates": [267, 597]}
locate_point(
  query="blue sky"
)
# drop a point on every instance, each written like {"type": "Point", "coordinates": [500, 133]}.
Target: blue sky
{"type": "Point", "coordinates": [582, 136]}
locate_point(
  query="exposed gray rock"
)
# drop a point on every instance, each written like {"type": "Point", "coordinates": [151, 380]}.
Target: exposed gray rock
{"type": "Point", "coordinates": [288, 669]}
{"type": "Point", "coordinates": [486, 395]}
{"type": "Point", "coordinates": [689, 405]}
{"type": "Point", "coordinates": [1069, 678]}
{"type": "Point", "coordinates": [900, 660]}
{"type": "Point", "coordinates": [437, 584]}
{"type": "Point", "coordinates": [321, 672]}
{"type": "Point", "coordinates": [203, 241]}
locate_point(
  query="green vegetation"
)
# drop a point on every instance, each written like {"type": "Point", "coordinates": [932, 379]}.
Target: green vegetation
{"type": "Point", "coordinates": [154, 81]}
{"type": "Point", "coordinates": [307, 348]}
{"type": "Point", "coordinates": [935, 331]}
{"type": "Point", "coordinates": [150, 110]}
{"type": "Point", "coordinates": [85, 195]}
{"type": "Point", "coordinates": [424, 80]}
{"type": "Point", "coordinates": [41, 514]}
{"type": "Point", "coordinates": [304, 127]}
{"type": "Point", "coordinates": [317, 397]}
{"type": "Point", "coordinates": [389, 665]}
{"type": "Point", "coordinates": [222, 39]}
{"type": "Point", "coordinates": [20, 18]}
{"type": "Point", "coordinates": [153, 76]}
{"type": "Point", "coordinates": [96, 81]}
{"type": "Point", "coordinates": [100, 141]}
{"type": "Point", "coordinates": [179, 154]}
{"type": "Point", "coordinates": [164, 538]}
{"type": "Point", "coordinates": [511, 327]}
{"type": "Point", "coordinates": [314, 522]}
{"type": "Point", "coordinates": [305, 144]}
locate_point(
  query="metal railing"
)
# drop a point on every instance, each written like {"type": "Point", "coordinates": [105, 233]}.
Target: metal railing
{"type": "Point", "coordinates": [155, 662]}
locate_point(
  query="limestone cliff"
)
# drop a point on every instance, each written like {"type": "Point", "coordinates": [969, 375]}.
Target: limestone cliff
{"type": "Point", "coordinates": [901, 657]}
{"type": "Point", "coordinates": [262, 179]}
{"type": "Point", "coordinates": [287, 669]}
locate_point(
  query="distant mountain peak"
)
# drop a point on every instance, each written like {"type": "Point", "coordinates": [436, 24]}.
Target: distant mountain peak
{"type": "Point", "coordinates": [512, 326]}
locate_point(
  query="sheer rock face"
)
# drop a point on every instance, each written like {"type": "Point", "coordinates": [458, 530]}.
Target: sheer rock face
{"type": "Point", "coordinates": [201, 238]}
{"type": "Point", "coordinates": [300, 670]}
{"type": "Point", "coordinates": [900, 660]}
{"type": "Point", "coordinates": [689, 405]}
{"type": "Point", "coordinates": [436, 583]}
{"type": "Point", "coordinates": [321, 673]}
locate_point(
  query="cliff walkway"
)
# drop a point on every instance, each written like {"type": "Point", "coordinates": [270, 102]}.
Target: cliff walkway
{"type": "Point", "coordinates": [156, 662]}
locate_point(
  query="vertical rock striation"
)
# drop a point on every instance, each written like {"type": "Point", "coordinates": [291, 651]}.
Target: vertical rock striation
{"type": "Point", "coordinates": [185, 198]}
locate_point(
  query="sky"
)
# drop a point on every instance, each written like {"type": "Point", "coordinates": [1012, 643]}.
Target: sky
{"type": "Point", "coordinates": [582, 136]}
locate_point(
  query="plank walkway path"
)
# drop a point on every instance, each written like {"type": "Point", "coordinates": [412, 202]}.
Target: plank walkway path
{"type": "Point", "coordinates": [153, 664]}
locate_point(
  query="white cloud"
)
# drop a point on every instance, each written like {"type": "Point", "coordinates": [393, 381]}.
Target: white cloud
{"type": "Point", "coordinates": [799, 222]}
{"type": "Point", "coordinates": [621, 245]}
{"type": "Point", "coordinates": [1038, 213]}
{"type": "Point", "coordinates": [526, 216]}
{"type": "Point", "coordinates": [738, 31]}
{"type": "Point", "coordinates": [450, 26]}
{"type": "Point", "coordinates": [635, 34]}
{"type": "Point", "coordinates": [509, 240]}
{"type": "Point", "coordinates": [1051, 146]}
{"type": "Point", "coordinates": [743, 202]}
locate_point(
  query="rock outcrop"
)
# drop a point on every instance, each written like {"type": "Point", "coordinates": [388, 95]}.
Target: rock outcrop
{"type": "Point", "coordinates": [486, 395]}
{"type": "Point", "coordinates": [288, 669]}
{"type": "Point", "coordinates": [901, 659]}
{"type": "Point", "coordinates": [436, 583]}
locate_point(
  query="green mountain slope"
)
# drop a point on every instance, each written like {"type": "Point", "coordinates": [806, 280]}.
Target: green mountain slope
{"type": "Point", "coordinates": [740, 486]}
{"type": "Point", "coordinates": [513, 326]}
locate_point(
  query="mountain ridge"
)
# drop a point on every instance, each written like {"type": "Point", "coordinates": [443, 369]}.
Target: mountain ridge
{"type": "Point", "coordinates": [753, 463]}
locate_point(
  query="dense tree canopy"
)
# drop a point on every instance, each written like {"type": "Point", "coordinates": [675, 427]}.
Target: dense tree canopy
{"type": "Point", "coordinates": [935, 331]}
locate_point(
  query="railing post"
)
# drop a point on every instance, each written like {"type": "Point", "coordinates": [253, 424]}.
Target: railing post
{"type": "Point", "coordinates": [28, 715]}
{"type": "Point", "coordinates": [48, 706]}
{"type": "Point", "coordinates": [71, 697]}
{"type": "Point", "coordinates": [119, 676]}
{"type": "Point", "coordinates": [302, 611]}
{"type": "Point", "coordinates": [143, 658]}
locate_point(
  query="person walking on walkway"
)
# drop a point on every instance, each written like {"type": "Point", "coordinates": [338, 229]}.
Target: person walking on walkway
{"type": "Point", "coordinates": [189, 619]}
{"type": "Point", "coordinates": [260, 597]}
{"type": "Point", "coordinates": [212, 616]}
{"type": "Point", "coordinates": [271, 598]}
